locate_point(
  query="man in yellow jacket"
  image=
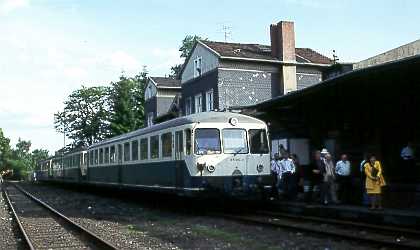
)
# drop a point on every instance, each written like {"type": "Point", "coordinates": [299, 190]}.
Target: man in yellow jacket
{"type": "Point", "coordinates": [374, 182]}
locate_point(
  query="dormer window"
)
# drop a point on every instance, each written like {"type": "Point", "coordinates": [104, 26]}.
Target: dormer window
{"type": "Point", "coordinates": [197, 66]}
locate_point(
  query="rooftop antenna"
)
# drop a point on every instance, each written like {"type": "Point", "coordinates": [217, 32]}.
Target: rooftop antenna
{"type": "Point", "coordinates": [335, 57]}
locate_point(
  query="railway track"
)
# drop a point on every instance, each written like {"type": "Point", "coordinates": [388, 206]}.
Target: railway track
{"type": "Point", "coordinates": [380, 236]}
{"type": "Point", "coordinates": [43, 227]}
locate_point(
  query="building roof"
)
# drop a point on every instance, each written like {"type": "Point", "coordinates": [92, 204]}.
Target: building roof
{"type": "Point", "coordinates": [259, 51]}
{"type": "Point", "coordinates": [166, 82]}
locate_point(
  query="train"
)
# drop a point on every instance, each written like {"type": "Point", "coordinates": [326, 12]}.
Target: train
{"type": "Point", "coordinates": [208, 153]}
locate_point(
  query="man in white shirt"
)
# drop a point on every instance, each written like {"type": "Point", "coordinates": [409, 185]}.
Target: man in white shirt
{"type": "Point", "coordinates": [342, 171]}
{"type": "Point", "coordinates": [288, 178]}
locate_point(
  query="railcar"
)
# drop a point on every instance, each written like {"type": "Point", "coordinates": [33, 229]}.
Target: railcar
{"type": "Point", "coordinates": [200, 154]}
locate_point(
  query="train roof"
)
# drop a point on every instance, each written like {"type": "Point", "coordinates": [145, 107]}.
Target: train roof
{"type": "Point", "coordinates": [212, 116]}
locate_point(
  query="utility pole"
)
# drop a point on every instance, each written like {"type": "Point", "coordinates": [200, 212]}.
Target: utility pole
{"type": "Point", "coordinates": [227, 31]}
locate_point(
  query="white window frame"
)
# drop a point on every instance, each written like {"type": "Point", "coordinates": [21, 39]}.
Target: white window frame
{"type": "Point", "coordinates": [209, 101]}
{"type": "Point", "coordinates": [198, 66]}
{"type": "Point", "coordinates": [198, 103]}
{"type": "Point", "coordinates": [188, 106]}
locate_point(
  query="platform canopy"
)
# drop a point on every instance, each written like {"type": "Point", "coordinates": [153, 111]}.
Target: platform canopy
{"type": "Point", "coordinates": [374, 109]}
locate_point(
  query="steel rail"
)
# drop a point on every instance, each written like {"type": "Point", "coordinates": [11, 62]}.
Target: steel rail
{"type": "Point", "coordinates": [91, 237]}
{"type": "Point", "coordinates": [21, 228]}
{"type": "Point", "coordinates": [268, 222]}
{"type": "Point", "coordinates": [383, 228]}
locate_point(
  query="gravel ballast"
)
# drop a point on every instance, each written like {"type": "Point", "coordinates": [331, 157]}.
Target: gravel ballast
{"type": "Point", "coordinates": [130, 225]}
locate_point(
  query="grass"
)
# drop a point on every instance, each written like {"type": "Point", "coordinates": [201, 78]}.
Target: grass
{"type": "Point", "coordinates": [235, 238]}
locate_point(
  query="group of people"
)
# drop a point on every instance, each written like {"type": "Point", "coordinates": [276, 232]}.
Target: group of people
{"type": "Point", "coordinates": [324, 180]}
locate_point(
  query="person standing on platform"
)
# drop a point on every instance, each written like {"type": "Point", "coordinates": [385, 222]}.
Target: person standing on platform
{"type": "Point", "coordinates": [407, 156]}
{"type": "Point", "coordinates": [288, 180]}
{"type": "Point", "coordinates": [365, 197]}
{"type": "Point", "coordinates": [374, 182]}
{"type": "Point", "coordinates": [313, 178]}
{"type": "Point", "coordinates": [342, 171]}
{"type": "Point", "coordinates": [328, 191]}
{"type": "Point", "coordinates": [275, 171]}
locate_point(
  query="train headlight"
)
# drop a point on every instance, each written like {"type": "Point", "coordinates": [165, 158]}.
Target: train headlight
{"type": "Point", "coordinates": [210, 168]}
{"type": "Point", "coordinates": [233, 121]}
{"type": "Point", "coordinates": [260, 168]}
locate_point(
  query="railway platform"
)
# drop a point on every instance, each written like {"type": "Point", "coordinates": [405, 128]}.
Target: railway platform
{"type": "Point", "coordinates": [388, 216]}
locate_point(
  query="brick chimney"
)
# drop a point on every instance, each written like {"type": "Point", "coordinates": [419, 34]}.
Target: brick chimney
{"type": "Point", "coordinates": [282, 37]}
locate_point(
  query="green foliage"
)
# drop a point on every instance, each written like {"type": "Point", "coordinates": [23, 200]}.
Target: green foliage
{"type": "Point", "coordinates": [188, 44]}
{"type": "Point", "coordinates": [96, 113]}
{"type": "Point", "coordinates": [185, 49]}
{"type": "Point", "coordinates": [85, 116]}
{"type": "Point", "coordinates": [5, 151]}
{"type": "Point", "coordinates": [20, 159]}
{"type": "Point", "coordinates": [127, 104]}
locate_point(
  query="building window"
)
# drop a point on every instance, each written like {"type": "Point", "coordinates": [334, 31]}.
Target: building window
{"type": "Point", "coordinates": [154, 147]}
{"type": "Point", "coordinates": [197, 66]}
{"type": "Point", "coordinates": [209, 100]}
{"type": "Point", "coordinates": [198, 103]}
{"type": "Point", "coordinates": [144, 148]}
{"type": "Point", "coordinates": [188, 106]}
{"type": "Point", "coordinates": [166, 144]}
{"type": "Point", "coordinates": [134, 150]}
{"type": "Point", "coordinates": [150, 119]}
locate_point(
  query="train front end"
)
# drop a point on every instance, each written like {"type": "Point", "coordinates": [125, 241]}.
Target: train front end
{"type": "Point", "coordinates": [231, 157]}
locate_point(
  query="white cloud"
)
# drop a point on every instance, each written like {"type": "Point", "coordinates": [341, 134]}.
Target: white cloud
{"type": "Point", "coordinates": [7, 6]}
{"type": "Point", "coordinates": [122, 60]}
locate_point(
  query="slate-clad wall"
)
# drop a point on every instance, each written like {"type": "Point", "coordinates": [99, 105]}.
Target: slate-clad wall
{"type": "Point", "coordinates": [307, 76]}
{"type": "Point", "coordinates": [201, 85]}
{"type": "Point", "coordinates": [242, 88]}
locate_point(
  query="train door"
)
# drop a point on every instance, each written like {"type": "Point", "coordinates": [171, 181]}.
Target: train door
{"type": "Point", "coordinates": [179, 157]}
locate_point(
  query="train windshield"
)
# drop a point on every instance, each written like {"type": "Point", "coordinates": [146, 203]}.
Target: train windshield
{"type": "Point", "coordinates": [207, 141]}
{"type": "Point", "coordinates": [258, 141]}
{"type": "Point", "coordinates": [234, 141]}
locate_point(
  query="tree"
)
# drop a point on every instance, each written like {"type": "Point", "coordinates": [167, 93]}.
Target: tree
{"type": "Point", "coordinates": [127, 104]}
{"type": "Point", "coordinates": [5, 151]}
{"type": "Point", "coordinates": [185, 49]}
{"type": "Point", "coordinates": [38, 155]}
{"type": "Point", "coordinates": [85, 116]}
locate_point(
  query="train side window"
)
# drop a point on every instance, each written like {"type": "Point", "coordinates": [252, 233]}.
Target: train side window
{"type": "Point", "coordinates": [154, 147]}
{"type": "Point", "coordinates": [85, 159]}
{"type": "Point", "coordinates": [96, 157]}
{"type": "Point", "coordinates": [120, 153]}
{"type": "Point", "coordinates": [179, 146]}
{"type": "Point", "coordinates": [166, 144]}
{"type": "Point", "coordinates": [127, 151]}
{"type": "Point", "coordinates": [101, 156]}
{"type": "Point", "coordinates": [112, 154]}
{"type": "Point", "coordinates": [135, 150]}
{"type": "Point", "coordinates": [106, 157]}
{"type": "Point", "coordinates": [144, 149]}
{"type": "Point", "coordinates": [91, 158]}
{"type": "Point", "coordinates": [188, 141]}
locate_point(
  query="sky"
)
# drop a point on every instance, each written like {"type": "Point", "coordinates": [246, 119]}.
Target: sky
{"type": "Point", "coordinates": [50, 48]}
